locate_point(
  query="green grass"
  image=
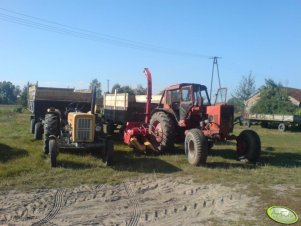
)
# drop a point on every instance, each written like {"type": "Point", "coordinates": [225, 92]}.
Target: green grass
{"type": "Point", "coordinates": [23, 166]}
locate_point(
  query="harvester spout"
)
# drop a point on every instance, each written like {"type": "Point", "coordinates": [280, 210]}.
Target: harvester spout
{"type": "Point", "coordinates": [148, 95]}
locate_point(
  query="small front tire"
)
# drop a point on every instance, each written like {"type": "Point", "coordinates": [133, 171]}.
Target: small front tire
{"type": "Point", "coordinates": [196, 147]}
{"type": "Point", "coordinates": [248, 145]}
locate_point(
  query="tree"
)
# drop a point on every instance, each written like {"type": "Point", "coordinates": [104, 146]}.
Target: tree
{"type": "Point", "coordinates": [273, 100]}
{"type": "Point", "coordinates": [115, 86]}
{"type": "Point", "coordinates": [97, 84]}
{"type": "Point", "coordinates": [243, 92]}
{"type": "Point", "coordinates": [22, 99]}
{"type": "Point", "coordinates": [122, 89]}
{"type": "Point", "coordinates": [140, 90]}
{"type": "Point", "coordinates": [8, 93]}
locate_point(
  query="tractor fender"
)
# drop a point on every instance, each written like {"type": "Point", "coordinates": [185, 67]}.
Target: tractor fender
{"type": "Point", "coordinates": [171, 114]}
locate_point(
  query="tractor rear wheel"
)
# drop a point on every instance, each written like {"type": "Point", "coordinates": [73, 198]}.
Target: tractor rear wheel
{"type": "Point", "coordinates": [196, 147]}
{"type": "Point", "coordinates": [162, 130]}
{"type": "Point", "coordinates": [248, 145]}
{"type": "Point", "coordinates": [53, 149]}
{"type": "Point", "coordinates": [38, 130]}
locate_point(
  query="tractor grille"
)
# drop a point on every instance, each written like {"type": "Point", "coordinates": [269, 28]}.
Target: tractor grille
{"type": "Point", "coordinates": [83, 129]}
{"type": "Point", "coordinates": [227, 118]}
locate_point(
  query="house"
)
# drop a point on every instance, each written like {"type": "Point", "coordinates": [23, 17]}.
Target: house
{"type": "Point", "coordinates": [294, 96]}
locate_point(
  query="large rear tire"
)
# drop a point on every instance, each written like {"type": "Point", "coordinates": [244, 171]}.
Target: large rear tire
{"type": "Point", "coordinates": [162, 130]}
{"type": "Point", "coordinates": [248, 145]}
{"type": "Point", "coordinates": [38, 131]}
{"type": "Point", "coordinates": [196, 147]}
{"type": "Point", "coordinates": [53, 150]}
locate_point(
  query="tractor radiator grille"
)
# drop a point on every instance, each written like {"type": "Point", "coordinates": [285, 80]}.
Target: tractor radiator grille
{"type": "Point", "coordinates": [83, 129]}
{"type": "Point", "coordinates": [227, 118]}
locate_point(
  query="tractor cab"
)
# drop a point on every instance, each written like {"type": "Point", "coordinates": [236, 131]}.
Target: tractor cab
{"type": "Point", "coordinates": [184, 98]}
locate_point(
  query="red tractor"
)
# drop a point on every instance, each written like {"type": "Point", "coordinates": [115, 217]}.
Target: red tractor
{"type": "Point", "coordinates": [185, 112]}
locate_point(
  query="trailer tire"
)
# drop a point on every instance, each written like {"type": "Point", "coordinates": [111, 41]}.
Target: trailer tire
{"type": "Point", "coordinates": [248, 145]}
{"type": "Point", "coordinates": [38, 131]}
{"type": "Point", "coordinates": [162, 128]}
{"type": "Point", "coordinates": [53, 150]}
{"type": "Point", "coordinates": [196, 147]}
{"type": "Point", "coordinates": [247, 123]}
{"type": "Point", "coordinates": [109, 153]}
{"type": "Point", "coordinates": [32, 125]}
{"type": "Point", "coordinates": [281, 127]}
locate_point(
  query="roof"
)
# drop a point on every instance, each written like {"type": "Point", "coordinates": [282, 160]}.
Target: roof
{"type": "Point", "coordinates": [293, 92]}
{"type": "Point", "coordinates": [185, 84]}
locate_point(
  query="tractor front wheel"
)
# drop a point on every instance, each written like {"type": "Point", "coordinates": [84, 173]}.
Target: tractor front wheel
{"type": "Point", "coordinates": [162, 130]}
{"type": "Point", "coordinates": [196, 147]}
{"type": "Point", "coordinates": [53, 150]}
{"type": "Point", "coordinates": [248, 145]}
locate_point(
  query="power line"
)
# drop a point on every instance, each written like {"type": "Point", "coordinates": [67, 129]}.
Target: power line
{"type": "Point", "coordinates": [55, 27]}
{"type": "Point", "coordinates": [215, 63]}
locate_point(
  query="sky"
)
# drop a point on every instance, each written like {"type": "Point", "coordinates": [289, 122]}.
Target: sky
{"type": "Point", "coordinates": [68, 43]}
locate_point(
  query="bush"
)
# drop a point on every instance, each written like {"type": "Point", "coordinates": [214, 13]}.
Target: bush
{"type": "Point", "coordinates": [298, 111]}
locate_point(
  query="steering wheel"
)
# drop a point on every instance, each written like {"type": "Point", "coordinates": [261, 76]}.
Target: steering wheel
{"type": "Point", "coordinates": [74, 107]}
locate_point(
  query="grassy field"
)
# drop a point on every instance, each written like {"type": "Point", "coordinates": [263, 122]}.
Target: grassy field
{"type": "Point", "coordinates": [23, 166]}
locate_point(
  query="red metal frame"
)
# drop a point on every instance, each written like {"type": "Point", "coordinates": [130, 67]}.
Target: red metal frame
{"type": "Point", "coordinates": [140, 129]}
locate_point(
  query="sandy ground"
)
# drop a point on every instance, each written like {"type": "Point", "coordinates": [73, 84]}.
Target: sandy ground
{"type": "Point", "coordinates": [144, 201]}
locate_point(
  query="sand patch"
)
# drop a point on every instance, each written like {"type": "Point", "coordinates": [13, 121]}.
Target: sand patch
{"type": "Point", "coordinates": [144, 201]}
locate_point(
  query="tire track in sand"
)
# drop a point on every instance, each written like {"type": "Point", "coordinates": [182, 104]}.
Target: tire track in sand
{"type": "Point", "coordinates": [135, 204]}
{"type": "Point", "coordinates": [57, 205]}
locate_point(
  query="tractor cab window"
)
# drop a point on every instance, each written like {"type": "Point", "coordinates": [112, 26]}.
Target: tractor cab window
{"type": "Point", "coordinates": [186, 96]}
{"type": "Point", "coordinates": [174, 96]}
{"type": "Point", "coordinates": [201, 97]}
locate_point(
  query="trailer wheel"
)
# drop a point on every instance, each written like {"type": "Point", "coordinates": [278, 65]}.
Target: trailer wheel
{"type": "Point", "coordinates": [248, 145]}
{"type": "Point", "coordinates": [281, 127]}
{"type": "Point", "coordinates": [247, 123]}
{"type": "Point", "coordinates": [109, 152]}
{"type": "Point", "coordinates": [264, 124]}
{"type": "Point", "coordinates": [32, 125]}
{"type": "Point", "coordinates": [53, 149]}
{"type": "Point", "coordinates": [38, 130]}
{"type": "Point", "coordinates": [196, 147]}
{"type": "Point", "coordinates": [162, 130]}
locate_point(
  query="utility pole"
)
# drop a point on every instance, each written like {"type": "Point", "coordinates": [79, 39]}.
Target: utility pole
{"type": "Point", "coordinates": [215, 63]}
{"type": "Point", "coordinates": [108, 82]}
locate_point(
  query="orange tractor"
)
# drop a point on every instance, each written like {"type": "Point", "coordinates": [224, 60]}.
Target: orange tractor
{"type": "Point", "coordinates": [185, 113]}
